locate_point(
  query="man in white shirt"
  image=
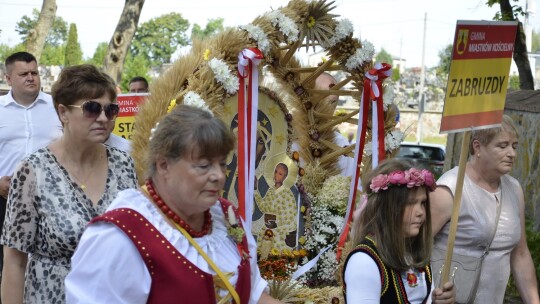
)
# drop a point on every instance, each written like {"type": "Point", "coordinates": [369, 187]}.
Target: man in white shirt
{"type": "Point", "coordinates": [325, 81]}
{"type": "Point", "coordinates": [28, 120]}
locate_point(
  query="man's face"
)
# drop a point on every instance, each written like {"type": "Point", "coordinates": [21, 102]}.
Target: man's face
{"type": "Point", "coordinates": [23, 77]}
{"type": "Point", "coordinates": [326, 82]}
{"type": "Point", "coordinates": [138, 87]}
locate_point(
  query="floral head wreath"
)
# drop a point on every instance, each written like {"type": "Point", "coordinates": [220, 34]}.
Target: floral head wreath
{"type": "Point", "coordinates": [410, 178]}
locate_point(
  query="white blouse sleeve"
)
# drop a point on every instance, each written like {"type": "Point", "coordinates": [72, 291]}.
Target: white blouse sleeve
{"type": "Point", "coordinates": [363, 280]}
{"type": "Point", "coordinates": [258, 284]}
{"type": "Point", "coordinates": [107, 268]}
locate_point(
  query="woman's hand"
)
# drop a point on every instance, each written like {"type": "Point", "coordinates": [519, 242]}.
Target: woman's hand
{"type": "Point", "coordinates": [4, 186]}
{"type": "Point", "coordinates": [447, 295]}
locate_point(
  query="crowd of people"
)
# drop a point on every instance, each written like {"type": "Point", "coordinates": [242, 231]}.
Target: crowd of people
{"type": "Point", "coordinates": [79, 229]}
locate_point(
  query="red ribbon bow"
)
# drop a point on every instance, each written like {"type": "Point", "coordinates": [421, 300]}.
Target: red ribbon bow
{"type": "Point", "coordinates": [248, 60]}
{"type": "Point", "coordinates": [373, 91]}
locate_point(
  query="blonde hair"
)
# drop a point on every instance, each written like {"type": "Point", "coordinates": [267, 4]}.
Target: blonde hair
{"type": "Point", "coordinates": [485, 136]}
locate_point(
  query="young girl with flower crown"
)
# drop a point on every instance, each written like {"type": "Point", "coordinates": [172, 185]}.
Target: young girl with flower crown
{"type": "Point", "coordinates": [391, 243]}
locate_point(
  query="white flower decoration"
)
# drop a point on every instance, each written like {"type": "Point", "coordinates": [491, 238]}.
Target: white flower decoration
{"type": "Point", "coordinates": [361, 55]}
{"type": "Point", "coordinates": [388, 97]}
{"type": "Point", "coordinates": [367, 148]}
{"type": "Point", "coordinates": [193, 99]}
{"type": "Point", "coordinates": [153, 130]}
{"type": "Point", "coordinates": [335, 193]}
{"type": "Point", "coordinates": [223, 75]}
{"type": "Point", "coordinates": [343, 29]}
{"type": "Point", "coordinates": [286, 25]}
{"type": "Point", "coordinates": [326, 223]}
{"type": "Point", "coordinates": [392, 140]}
{"type": "Point", "coordinates": [257, 34]}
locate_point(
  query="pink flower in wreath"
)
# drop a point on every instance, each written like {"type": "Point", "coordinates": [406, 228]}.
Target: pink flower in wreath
{"type": "Point", "coordinates": [397, 178]}
{"type": "Point", "coordinates": [379, 182]}
{"type": "Point", "coordinates": [429, 180]}
{"type": "Point", "coordinates": [416, 178]}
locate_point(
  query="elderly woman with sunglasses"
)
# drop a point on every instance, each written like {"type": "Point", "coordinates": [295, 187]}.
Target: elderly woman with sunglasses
{"type": "Point", "coordinates": [57, 190]}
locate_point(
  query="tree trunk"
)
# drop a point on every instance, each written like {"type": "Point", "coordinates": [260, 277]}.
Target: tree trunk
{"type": "Point", "coordinates": [521, 58]}
{"type": "Point", "coordinates": [121, 39]}
{"type": "Point", "coordinates": [453, 150]}
{"type": "Point", "coordinates": [36, 36]}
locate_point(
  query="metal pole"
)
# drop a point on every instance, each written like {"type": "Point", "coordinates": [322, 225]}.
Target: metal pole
{"type": "Point", "coordinates": [422, 79]}
{"type": "Point", "coordinates": [527, 27]}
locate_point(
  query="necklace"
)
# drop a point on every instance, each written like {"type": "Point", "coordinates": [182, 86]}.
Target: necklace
{"type": "Point", "coordinates": [82, 182]}
{"type": "Point", "coordinates": [173, 216]}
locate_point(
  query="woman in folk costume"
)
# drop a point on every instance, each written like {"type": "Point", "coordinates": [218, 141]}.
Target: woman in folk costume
{"type": "Point", "coordinates": [391, 241]}
{"type": "Point", "coordinates": [174, 240]}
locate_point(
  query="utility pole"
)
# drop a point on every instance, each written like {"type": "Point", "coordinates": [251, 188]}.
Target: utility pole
{"type": "Point", "coordinates": [400, 67]}
{"type": "Point", "coordinates": [527, 24]}
{"type": "Point", "coordinates": [421, 102]}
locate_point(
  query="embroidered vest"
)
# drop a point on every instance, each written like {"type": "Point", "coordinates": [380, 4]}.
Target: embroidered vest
{"type": "Point", "coordinates": [392, 288]}
{"type": "Point", "coordinates": [174, 278]}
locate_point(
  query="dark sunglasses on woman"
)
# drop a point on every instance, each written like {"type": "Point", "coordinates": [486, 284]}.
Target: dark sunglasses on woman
{"type": "Point", "coordinates": [92, 109]}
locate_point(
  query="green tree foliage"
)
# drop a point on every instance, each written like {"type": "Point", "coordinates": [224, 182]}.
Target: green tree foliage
{"type": "Point", "coordinates": [396, 74]}
{"type": "Point", "coordinates": [535, 47]}
{"type": "Point", "coordinates": [384, 56]}
{"type": "Point", "coordinates": [213, 27]}
{"type": "Point", "coordinates": [99, 55]}
{"type": "Point", "coordinates": [57, 35]}
{"type": "Point", "coordinates": [158, 38]}
{"type": "Point", "coordinates": [513, 82]}
{"type": "Point", "coordinates": [515, 11]}
{"type": "Point", "coordinates": [53, 55]}
{"type": "Point", "coordinates": [134, 66]}
{"type": "Point", "coordinates": [6, 50]}
{"type": "Point", "coordinates": [509, 12]}
{"type": "Point", "coordinates": [73, 54]}
{"type": "Point", "coordinates": [533, 241]}
{"type": "Point", "coordinates": [445, 58]}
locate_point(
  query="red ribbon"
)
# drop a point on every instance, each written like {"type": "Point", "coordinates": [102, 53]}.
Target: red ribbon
{"type": "Point", "coordinates": [248, 60]}
{"type": "Point", "coordinates": [372, 91]}
{"type": "Point", "coordinates": [376, 76]}
{"type": "Point", "coordinates": [241, 148]}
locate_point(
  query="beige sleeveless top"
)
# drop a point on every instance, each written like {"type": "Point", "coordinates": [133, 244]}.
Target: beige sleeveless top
{"type": "Point", "coordinates": [475, 227]}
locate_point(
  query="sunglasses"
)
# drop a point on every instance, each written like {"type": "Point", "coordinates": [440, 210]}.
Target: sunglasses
{"type": "Point", "coordinates": [92, 109]}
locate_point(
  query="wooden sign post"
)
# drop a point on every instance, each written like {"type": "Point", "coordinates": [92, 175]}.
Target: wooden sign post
{"type": "Point", "coordinates": [475, 94]}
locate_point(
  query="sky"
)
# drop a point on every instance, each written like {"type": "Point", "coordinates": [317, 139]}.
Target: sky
{"type": "Point", "coordinates": [396, 25]}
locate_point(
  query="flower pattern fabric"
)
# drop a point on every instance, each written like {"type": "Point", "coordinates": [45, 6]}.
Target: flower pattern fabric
{"type": "Point", "coordinates": [280, 216]}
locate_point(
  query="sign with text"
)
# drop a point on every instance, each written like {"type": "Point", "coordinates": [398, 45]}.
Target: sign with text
{"type": "Point", "coordinates": [478, 78]}
{"type": "Point", "coordinates": [129, 107]}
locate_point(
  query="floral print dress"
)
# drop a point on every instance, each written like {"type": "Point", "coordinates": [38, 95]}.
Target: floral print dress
{"type": "Point", "coordinates": [46, 214]}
